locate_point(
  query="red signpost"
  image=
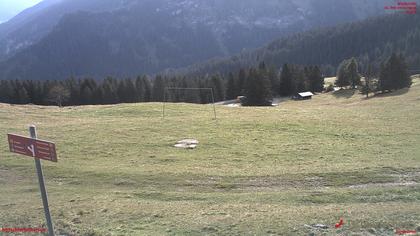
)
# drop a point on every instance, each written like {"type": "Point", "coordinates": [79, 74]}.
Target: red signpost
{"type": "Point", "coordinates": [38, 149]}
{"type": "Point", "coordinates": [32, 147]}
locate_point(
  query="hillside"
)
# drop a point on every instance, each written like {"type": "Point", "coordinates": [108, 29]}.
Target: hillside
{"type": "Point", "coordinates": [371, 40]}
{"type": "Point", "coordinates": [256, 171]}
{"type": "Point", "coordinates": [60, 38]}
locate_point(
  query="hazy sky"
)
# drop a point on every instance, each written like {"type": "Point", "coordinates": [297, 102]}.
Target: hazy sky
{"type": "Point", "coordinates": [9, 8]}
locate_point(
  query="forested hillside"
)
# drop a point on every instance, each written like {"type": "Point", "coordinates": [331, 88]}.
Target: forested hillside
{"type": "Point", "coordinates": [372, 40]}
{"type": "Point", "coordinates": [98, 38]}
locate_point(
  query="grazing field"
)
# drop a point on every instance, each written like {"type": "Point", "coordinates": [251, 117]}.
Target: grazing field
{"type": "Point", "coordinates": [256, 171]}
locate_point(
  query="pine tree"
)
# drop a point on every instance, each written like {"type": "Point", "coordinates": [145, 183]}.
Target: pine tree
{"type": "Point", "coordinates": [5, 91]}
{"type": "Point", "coordinates": [38, 98]}
{"type": "Point", "coordinates": [97, 96]}
{"type": "Point", "coordinates": [394, 74]}
{"type": "Point", "coordinates": [301, 83]}
{"type": "Point", "coordinates": [258, 89]}
{"type": "Point", "coordinates": [204, 95]}
{"type": "Point", "coordinates": [274, 80]}
{"type": "Point", "coordinates": [74, 88]}
{"type": "Point", "coordinates": [231, 87]}
{"type": "Point", "coordinates": [147, 89]}
{"type": "Point", "coordinates": [353, 73]}
{"type": "Point", "coordinates": [109, 87]}
{"type": "Point", "coordinates": [85, 95]}
{"type": "Point", "coordinates": [316, 80]}
{"type": "Point", "coordinates": [343, 78]}
{"type": "Point", "coordinates": [121, 92]}
{"type": "Point", "coordinates": [130, 91]}
{"type": "Point", "coordinates": [23, 96]}
{"type": "Point", "coordinates": [29, 85]}
{"type": "Point", "coordinates": [241, 82]}
{"type": "Point", "coordinates": [286, 86]}
{"type": "Point", "coordinates": [218, 89]}
{"type": "Point", "coordinates": [158, 89]}
{"type": "Point", "coordinates": [19, 93]}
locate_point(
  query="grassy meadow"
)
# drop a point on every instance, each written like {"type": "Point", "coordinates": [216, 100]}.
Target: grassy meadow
{"type": "Point", "coordinates": [256, 171]}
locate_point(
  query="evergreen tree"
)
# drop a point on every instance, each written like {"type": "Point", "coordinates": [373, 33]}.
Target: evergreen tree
{"type": "Point", "coordinates": [204, 95]}
{"type": "Point", "coordinates": [97, 96]}
{"type": "Point", "coordinates": [130, 91]}
{"type": "Point", "coordinates": [158, 89]}
{"type": "Point", "coordinates": [231, 88]}
{"type": "Point", "coordinates": [147, 89]}
{"type": "Point", "coordinates": [19, 93]}
{"type": "Point", "coordinates": [140, 89]}
{"type": "Point", "coordinates": [286, 86]}
{"type": "Point", "coordinates": [109, 87]}
{"type": "Point", "coordinates": [343, 78]}
{"type": "Point", "coordinates": [46, 87]}
{"type": "Point", "coordinates": [274, 80]}
{"type": "Point", "coordinates": [23, 96]}
{"type": "Point", "coordinates": [218, 88]}
{"type": "Point", "coordinates": [258, 89]}
{"type": "Point", "coordinates": [353, 73]}
{"type": "Point", "coordinates": [29, 85]}
{"type": "Point", "coordinates": [121, 92]}
{"type": "Point", "coordinates": [394, 74]}
{"type": "Point", "coordinates": [85, 95]}
{"type": "Point", "coordinates": [38, 98]}
{"type": "Point", "coordinates": [87, 87]}
{"type": "Point", "coordinates": [241, 82]}
{"type": "Point", "coordinates": [300, 80]}
{"type": "Point", "coordinates": [74, 88]}
{"type": "Point", "coordinates": [316, 80]}
{"type": "Point", "coordinates": [144, 89]}
{"type": "Point", "coordinates": [5, 92]}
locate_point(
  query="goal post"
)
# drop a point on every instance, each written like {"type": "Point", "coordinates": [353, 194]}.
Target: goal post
{"type": "Point", "coordinates": [167, 89]}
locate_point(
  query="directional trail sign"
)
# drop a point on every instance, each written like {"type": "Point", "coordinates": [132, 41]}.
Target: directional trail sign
{"type": "Point", "coordinates": [32, 147]}
{"type": "Point", "coordinates": [38, 149]}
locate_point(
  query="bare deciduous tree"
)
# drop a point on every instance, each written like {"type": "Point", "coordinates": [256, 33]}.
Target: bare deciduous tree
{"type": "Point", "coordinates": [58, 94]}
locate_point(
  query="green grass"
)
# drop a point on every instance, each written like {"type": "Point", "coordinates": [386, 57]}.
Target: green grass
{"type": "Point", "coordinates": [256, 171]}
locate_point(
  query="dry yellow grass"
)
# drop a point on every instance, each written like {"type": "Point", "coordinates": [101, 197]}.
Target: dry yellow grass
{"type": "Point", "coordinates": [256, 171]}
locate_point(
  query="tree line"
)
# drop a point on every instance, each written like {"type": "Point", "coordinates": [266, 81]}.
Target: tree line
{"type": "Point", "coordinates": [391, 75]}
{"type": "Point", "coordinates": [259, 85]}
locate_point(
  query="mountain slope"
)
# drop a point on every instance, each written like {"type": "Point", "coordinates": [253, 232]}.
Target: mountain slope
{"type": "Point", "coordinates": [372, 40]}
{"type": "Point", "coordinates": [131, 37]}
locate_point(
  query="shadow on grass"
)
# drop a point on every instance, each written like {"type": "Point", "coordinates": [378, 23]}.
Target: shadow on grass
{"type": "Point", "coordinates": [344, 93]}
{"type": "Point", "coordinates": [388, 94]}
{"type": "Point", "coordinates": [393, 93]}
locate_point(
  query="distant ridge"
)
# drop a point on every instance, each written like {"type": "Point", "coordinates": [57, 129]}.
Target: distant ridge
{"type": "Point", "coordinates": [57, 39]}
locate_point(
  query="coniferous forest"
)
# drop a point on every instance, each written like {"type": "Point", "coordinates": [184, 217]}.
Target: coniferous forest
{"type": "Point", "coordinates": [259, 85]}
{"type": "Point", "coordinates": [370, 41]}
{"type": "Point", "coordinates": [377, 48]}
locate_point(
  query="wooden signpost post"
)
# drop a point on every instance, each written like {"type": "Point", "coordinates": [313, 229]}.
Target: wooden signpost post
{"type": "Point", "coordinates": [38, 149]}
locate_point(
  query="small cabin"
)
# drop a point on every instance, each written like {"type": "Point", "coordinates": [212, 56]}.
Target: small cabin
{"type": "Point", "coordinates": [303, 96]}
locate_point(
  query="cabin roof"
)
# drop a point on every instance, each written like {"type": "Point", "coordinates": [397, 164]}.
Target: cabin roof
{"type": "Point", "coordinates": [306, 94]}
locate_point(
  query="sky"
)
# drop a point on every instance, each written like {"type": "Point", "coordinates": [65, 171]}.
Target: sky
{"type": "Point", "coordinates": [10, 8]}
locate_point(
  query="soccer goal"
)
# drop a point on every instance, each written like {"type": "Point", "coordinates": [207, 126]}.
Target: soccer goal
{"type": "Point", "coordinates": [171, 90]}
